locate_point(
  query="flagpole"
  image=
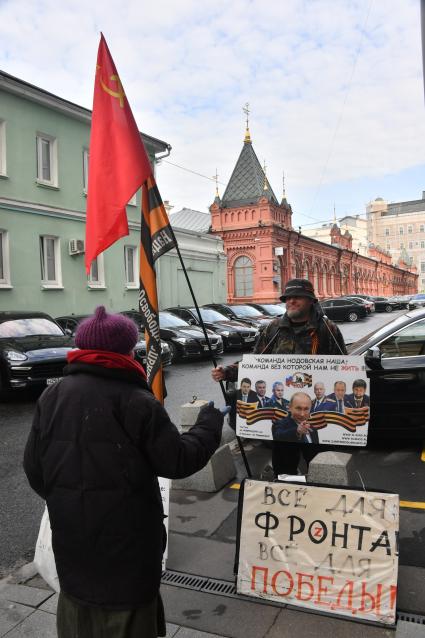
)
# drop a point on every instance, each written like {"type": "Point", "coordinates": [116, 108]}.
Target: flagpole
{"type": "Point", "coordinates": [245, 460]}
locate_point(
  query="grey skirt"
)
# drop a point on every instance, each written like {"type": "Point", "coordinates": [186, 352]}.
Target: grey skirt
{"type": "Point", "coordinates": [81, 621]}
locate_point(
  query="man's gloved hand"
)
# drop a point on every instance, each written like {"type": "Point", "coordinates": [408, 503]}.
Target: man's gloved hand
{"type": "Point", "coordinates": [218, 373]}
{"type": "Point", "coordinates": [224, 410]}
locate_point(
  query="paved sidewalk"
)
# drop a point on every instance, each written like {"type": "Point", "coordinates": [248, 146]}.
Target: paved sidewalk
{"type": "Point", "coordinates": [202, 537]}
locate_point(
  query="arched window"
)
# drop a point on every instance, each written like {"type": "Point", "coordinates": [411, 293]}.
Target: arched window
{"type": "Point", "coordinates": [243, 272]}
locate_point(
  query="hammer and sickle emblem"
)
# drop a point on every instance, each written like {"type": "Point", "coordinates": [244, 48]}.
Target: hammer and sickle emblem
{"type": "Point", "coordinates": [119, 94]}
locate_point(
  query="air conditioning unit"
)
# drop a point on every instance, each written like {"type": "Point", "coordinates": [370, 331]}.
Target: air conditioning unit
{"type": "Point", "coordinates": [76, 246]}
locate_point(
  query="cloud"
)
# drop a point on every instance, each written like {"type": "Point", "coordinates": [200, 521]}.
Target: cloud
{"type": "Point", "coordinates": [335, 88]}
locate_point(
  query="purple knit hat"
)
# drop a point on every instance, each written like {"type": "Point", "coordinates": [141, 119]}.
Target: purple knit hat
{"type": "Point", "coordinates": [115, 333]}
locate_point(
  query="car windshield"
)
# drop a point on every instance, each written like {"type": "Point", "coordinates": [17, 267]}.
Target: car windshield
{"type": "Point", "coordinates": [388, 328]}
{"type": "Point", "coordinates": [245, 311]}
{"type": "Point", "coordinates": [208, 314]}
{"type": "Point", "coordinates": [29, 327]}
{"type": "Point", "coordinates": [272, 309]}
{"type": "Point", "coordinates": [167, 320]}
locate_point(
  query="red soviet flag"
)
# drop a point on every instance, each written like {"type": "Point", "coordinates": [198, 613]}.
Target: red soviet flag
{"type": "Point", "coordinates": [118, 163]}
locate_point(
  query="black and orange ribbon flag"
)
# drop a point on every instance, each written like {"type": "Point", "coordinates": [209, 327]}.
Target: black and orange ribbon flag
{"type": "Point", "coordinates": [156, 238]}
{"type": "Point", "coordinates": [351, 420]}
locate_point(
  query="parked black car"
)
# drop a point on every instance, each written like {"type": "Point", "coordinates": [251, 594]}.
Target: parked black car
{"type": "Point", "coordinates": [33, 349]}
{"type": "Point", "coordinates": [233, 333]}
{"type": "Point", "coordinates": [402, 300]}
{"type": "Point", "coordinates": [384, 304]}
{"type": "Point", "coordinates": [69, 324]}
{"type": "Point", "coordinates": [343, 309]}
{"type": "Point", "coordinates": [395, 365]}
{"type": "Point", "coordinates": [368, 303]}
{"type": "Point", "coordinates": [417, 301]}
{"type": "Point", "coordinates": [185, 341]}
{"type": "Point", "coordinates": [241, 312]}
{"type": "Point", "coordinates": [270, 309]}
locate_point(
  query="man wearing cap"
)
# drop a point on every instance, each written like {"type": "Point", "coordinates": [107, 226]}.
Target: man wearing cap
{"type": "Point", "coordinates": [99, 439]}
{"type": "Point", "coordinates": [301, 330]}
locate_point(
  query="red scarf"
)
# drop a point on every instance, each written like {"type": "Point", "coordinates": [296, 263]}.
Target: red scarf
{"type": "Point", "coordinates": [106, 359]}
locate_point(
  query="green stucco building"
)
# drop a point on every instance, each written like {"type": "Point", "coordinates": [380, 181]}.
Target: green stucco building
{"type": "Point", "coordinates": [44, 147]}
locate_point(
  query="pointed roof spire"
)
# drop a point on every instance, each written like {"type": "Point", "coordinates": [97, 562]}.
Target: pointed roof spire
{"type": "Point", "coordinates": [334, 214]}
{"type": "Point", "coordinates": [283, 187]}
{"type": "Point", "coordinates": [246, 110]}
{"type": "Point", "coordinates": [248, 182]}
{"type": "Point", "coordinates": [266, 184]}
{"type": "Point", "coordinates": [217, 194]}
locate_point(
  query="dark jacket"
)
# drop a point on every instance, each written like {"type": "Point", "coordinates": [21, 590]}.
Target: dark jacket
{"type": "Point", "coordinates": [288, 338]}
{"type": "Point", "coordinates": [252, 396]}
{"type": "Point", "coordinates": [273, 402]}
{"type": "Point", "coordinates": [99, 439]}
{"type": "Point", "coordinates": [322, 406]}
{"type": "Point", "coordinates": [345, 401]}
{"type": "Point", "coordinates": [364, 402]}
{"type": "Point", "coordinates": [286, 430]}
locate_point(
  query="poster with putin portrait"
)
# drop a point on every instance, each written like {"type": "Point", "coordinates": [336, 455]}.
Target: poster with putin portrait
{"type": "Point", "coordinates": [321, 399]}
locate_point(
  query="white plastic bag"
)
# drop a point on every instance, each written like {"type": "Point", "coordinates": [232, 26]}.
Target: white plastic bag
{"type": "Point", "coordinates": [44, 558]}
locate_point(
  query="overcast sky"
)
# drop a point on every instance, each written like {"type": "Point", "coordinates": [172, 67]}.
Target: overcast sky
{"type": "Point", "coordinates": [335, 88]}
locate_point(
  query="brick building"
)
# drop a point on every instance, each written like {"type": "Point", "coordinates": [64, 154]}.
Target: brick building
{"type": "Point", "coordinates": [264, 251]}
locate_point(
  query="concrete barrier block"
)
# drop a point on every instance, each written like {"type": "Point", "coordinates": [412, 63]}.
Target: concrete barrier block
{"type": "Point", "coordinates": [219, 470]}
{"type": "Point", "coordinates": [189, 412]}
{"type": "Point", "coordinates": [331, 468]}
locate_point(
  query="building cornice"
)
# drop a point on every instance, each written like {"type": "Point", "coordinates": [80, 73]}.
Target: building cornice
{"type": "Point", "coordinates": [35, 94]}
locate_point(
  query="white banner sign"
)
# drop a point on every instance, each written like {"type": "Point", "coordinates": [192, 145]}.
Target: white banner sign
{"type": "Point", "coordinates": [303, 398]}
{"type": "Point", "coordinates": [325, 549]}
{"type": "Point", "coordinates": [164, 487]}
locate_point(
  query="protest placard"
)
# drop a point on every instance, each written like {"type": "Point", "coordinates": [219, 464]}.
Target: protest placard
{"type": "Point", "coordinates": [164, 488]}
{"type": "Point", "coordinates": [331, 393]}
{"type": "Point", "coordinates": [330, 550]}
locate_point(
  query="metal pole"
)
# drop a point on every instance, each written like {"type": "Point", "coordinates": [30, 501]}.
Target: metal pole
{"type": "Point", "coordinates": [245, 460]}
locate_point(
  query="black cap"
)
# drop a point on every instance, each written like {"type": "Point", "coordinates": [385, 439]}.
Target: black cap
{"type": "Point", "coordinates": [299, 288]}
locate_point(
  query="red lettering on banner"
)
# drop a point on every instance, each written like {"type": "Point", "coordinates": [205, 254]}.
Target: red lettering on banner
{"type": "Point", "coordinates": [349, 586]}
{"type": "Point", "coordinates": [290, 586]}
{"type": "Point", "coordinates": [308, 584]}
{"type": "Point", "coordinates": [265, 571]}
{"type": "Point", "coordinates": [393, 595]}
{"type": "Point", "coordinates": [323, 590]}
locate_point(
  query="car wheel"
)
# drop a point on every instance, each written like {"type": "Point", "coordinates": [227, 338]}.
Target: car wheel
{"type": "Point", "coordinates": [352, 316]}
{"type": "Point", "coordinates": [173, 351]}
{"type": "Point", "coordinates": [388, 308]}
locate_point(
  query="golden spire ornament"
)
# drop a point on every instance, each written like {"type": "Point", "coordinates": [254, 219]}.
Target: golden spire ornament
{"type": "Point", "coordinates": [246, 110]}
{"type": "Point", "coordinates": [215, 178]}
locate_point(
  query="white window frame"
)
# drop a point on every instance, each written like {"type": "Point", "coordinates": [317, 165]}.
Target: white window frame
{"type": "Point", "coordinates": [128, 283]}
{"type": "Point", "coordinates": [3, 156]}
{"type": "Point", "coordinates": [421, 228]}
{"type": "Point", "coordinates": [410, 245]}
{"type": "Point", "coordinates": [53, 158]}
{"type": "Point", "coordinates": [86, 156]}
{"type": "Point", "coordinates": [387, 232]}
{"type": "Point", "coordinates": [401, 230]}
{"type": "Point", "coordinates": [4, 242]}
{"type": "Point", "coordinates": [57, 281]}
{"type": "Point", "coordinates": [409, 230]}
{"type": "Point", "coordinates": [99, 283]}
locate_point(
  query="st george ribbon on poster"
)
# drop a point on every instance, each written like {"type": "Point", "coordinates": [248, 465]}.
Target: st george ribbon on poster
{"type": "Point", "coordinates": [319, 399]}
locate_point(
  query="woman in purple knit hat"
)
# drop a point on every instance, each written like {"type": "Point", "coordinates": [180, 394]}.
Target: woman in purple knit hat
{"type": "Point", "coordinates": [99, 439]}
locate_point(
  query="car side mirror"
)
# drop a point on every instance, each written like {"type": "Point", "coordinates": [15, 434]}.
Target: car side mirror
{"type": "Point", "coordinates": [373, 358]}
{"type": "Point", "coordinates": [192, 322]}
{"type": "Point", "coordinates": [69, 332]}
